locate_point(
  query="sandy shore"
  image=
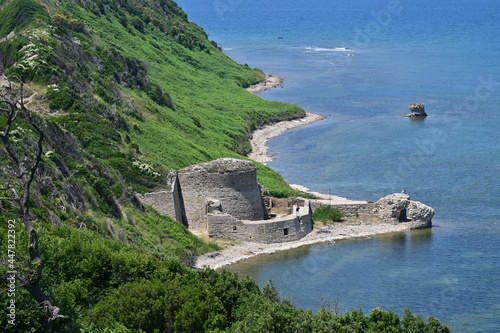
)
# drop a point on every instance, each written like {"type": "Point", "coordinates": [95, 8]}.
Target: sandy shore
{"type": "Point", "coordinates": [271, 81]}
{"type": "Point", "coordinates": [261, 136]}
{"type": "Point", "coordinates": [320, 234]}
{"type": "Point", "coordinates": [332, 199]}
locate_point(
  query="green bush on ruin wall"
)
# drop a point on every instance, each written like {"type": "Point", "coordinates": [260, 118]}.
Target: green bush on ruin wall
{"type": "Point", "coordinates": [328, 214]}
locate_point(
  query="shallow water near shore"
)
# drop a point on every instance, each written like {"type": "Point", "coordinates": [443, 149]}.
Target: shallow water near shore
{"type": "Point", "coordinates": [362, 68]}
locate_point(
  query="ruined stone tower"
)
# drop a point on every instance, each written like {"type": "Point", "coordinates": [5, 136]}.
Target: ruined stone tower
{"type": "Point", "coordinates": [228, 185]}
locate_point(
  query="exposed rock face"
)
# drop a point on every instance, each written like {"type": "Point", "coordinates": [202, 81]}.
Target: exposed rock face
{"type": "Point", "coordinates": [392, 208]}
{"type": "Point", "coordinates": [417, 110]}
{"type": "Point", "coordinates": [398, 207]}
{"type": "Point", "coordinates": [420, 215]}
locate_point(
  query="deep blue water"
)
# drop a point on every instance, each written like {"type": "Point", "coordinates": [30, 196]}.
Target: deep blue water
{"type": "Point", "coordinates": [362, 63]}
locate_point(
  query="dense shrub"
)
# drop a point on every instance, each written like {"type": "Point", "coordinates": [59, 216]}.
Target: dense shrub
{"type": "Point", "coordinates": [327, 214]}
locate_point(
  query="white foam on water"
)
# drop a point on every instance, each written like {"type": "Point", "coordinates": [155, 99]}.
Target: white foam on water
{"type": "Point", "coordinates": [328, 49]}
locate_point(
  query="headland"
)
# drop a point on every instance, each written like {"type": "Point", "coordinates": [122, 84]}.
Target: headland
{"type": "Point", "coordinates": [243, 250]}
{"type": "Point", "coordinates": [270, 82]}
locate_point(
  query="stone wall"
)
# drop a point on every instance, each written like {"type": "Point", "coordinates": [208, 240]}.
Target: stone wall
{"type": "Point", "coordinates": [394, 208]}
{"type": "Point", "coordinates": [167, 202]}
{"type": "Point", "coordinates": [352, 212]}
{"type": "Point", "coordinates": [289, 228]}
{"type": "Point", "coordinates": [230, 182]}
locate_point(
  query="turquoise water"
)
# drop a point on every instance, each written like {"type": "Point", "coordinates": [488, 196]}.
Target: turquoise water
{"type": "Point", "coordinates": [362, 63]}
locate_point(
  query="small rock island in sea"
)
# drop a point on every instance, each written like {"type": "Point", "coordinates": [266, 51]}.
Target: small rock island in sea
{"type": "Point", "coordinates": [417, 110]}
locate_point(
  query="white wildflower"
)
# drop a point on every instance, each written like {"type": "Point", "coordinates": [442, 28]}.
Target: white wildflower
{"type": "Point", "coordinates": [53, 87]}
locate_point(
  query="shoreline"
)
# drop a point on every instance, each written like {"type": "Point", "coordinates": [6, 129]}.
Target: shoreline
{"type": "Point", "coordinates": [322, 234]}
{"type": "Point", "coordinates": [261, 136]}
{"type": "Point", "coordinates": [334, 199]}
{"type": "Point", "coordinates": [271, 81]}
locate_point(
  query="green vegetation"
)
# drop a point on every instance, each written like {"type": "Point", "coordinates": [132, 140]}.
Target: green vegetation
{"type": "Point", "coordinates": [275, 184]}
{"type": "Point", "coordinates": [17, 15]}
{"type": "Point", "coordinates": [327, 214]}
{"type": "Point", "coordinates": [103, 285]}
{"type": "Point", "coordinates": [125, 91]}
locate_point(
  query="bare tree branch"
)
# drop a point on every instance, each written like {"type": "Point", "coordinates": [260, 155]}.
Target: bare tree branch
{"type": "Point", "coordinates": [25, 172]}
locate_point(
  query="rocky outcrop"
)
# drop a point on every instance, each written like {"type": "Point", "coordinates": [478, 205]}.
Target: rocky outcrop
{"type": "Point", "coordinates": [420, 215]}
{"type": "Point", "coordinates": [392, 208]}
{"type": "Point", "coordinates": [417, 110]}
{"type": "Point", "coordinates": [398, 208]}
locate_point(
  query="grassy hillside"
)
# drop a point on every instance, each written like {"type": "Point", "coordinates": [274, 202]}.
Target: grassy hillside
{"type": "Point", "coordinates": [124, 91]}
{"type": "Point", "coordinates": [168, 94]}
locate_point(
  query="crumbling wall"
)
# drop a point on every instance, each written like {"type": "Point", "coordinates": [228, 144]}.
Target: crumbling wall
{"type": "Point", "coordinates": [394, 208]}
{"type": "Point", "coordinates": [168, 201]}
{"type": "Point", "coordinates": [286, 229]}
{"type": "Point", "coordinates": [352, 212]}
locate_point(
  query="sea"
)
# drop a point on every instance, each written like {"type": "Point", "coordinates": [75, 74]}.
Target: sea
{"type": "Point", "coordinates": [361, 63]}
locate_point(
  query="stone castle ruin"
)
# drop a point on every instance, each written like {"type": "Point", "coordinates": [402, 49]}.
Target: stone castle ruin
{"type": "Point", "coordinates": [224, 199]}
{"type": "Point", "coordinates": [225, 185]}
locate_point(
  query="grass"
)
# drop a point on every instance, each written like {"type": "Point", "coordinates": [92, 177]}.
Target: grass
{"type": "Point", "coordinates": [18, 14]}
{"type": "Point", "coordinates": [131, 101]}
{"type": "Point", "coordinates": [213, 114]}
{"type": "Point", "coordinates": [327, 214]}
